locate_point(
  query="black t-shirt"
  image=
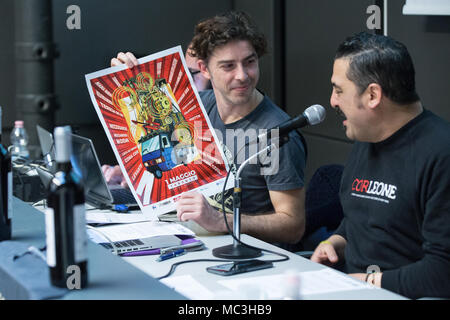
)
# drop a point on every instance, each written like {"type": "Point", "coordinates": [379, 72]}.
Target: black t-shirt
{"type": "Point", "coordinates": [396, 200]}
{"type": "Point", "coordinates": [284, 171]}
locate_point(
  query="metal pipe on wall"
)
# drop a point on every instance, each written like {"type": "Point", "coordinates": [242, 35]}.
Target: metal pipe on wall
{"type": "Point", "coordinates": [34, 53]}
{"type": "Point", "coordinates": [383, 5]}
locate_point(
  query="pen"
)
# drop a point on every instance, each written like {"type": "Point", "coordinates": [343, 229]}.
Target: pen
{"type": "Point", "coordinates": [172, 254]}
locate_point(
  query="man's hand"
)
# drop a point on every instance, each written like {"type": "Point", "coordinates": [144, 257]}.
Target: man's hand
{"type": "Point", "coordinates": [325, 254]}
{"type": "Point", "coordinates": [113, 175]}
{"type": "Point", "coordinates": [374, 278]}
{"type": "Point", "coordinates": [359, 276]}
{"type": "Point", "coordinates": [128, 58]}
{"type": "Point", "coordinates": [194, 206]}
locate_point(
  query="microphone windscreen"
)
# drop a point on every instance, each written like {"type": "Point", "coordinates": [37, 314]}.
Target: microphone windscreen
{"type": "Point", "coordinates": [315, 114]}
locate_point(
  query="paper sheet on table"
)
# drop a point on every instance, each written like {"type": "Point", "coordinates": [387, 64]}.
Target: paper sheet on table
{"type": "Point", "coordinates": [311, 282]}
{"type": "Point", "coordinates": [140, 230]}
{"type": "Point", "coordinates": [189, 287]}
{"type": "Point", "coordinates": [113, 217]}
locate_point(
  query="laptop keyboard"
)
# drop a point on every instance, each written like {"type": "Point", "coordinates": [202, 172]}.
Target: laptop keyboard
{"type": "Point", "coordinates": [123, 196]}
{"type": "Point", "coordinates": [126, 246]}
{"type": "Point", "coordinates": [123, 244]}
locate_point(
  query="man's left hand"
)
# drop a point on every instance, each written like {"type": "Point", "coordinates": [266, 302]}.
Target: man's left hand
{"type": "Point", "coordinates": [194, 206]}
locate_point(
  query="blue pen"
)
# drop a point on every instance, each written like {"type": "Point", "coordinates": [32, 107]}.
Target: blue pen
{"type": "Point", "coordinates": [172, 254]}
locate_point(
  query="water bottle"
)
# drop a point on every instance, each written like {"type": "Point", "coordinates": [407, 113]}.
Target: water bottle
{"type": "Point", "coordinates": [19, 141]}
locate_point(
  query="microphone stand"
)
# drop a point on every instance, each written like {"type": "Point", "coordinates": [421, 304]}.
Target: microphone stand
{"type": "Point", "coordinates": [238, 250]}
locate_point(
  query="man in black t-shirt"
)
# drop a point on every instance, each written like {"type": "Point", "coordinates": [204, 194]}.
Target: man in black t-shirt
{"type": "Point", "coordinates": [395, 189]}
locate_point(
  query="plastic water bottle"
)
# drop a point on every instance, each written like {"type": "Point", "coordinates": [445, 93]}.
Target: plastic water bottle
{"type": "Point", "coordinates": [19, 141]}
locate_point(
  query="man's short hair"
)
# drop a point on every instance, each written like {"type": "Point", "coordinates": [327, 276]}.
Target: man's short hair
{"type": "Point", "coordinates": [382, 60]}
{"type": "Point", "coordinates": [222, 29]}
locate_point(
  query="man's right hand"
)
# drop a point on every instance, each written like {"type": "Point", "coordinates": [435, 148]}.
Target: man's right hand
{"type": "Point", "coordinates": [113, 175]}
{"type": "Point", "coordinates": [325, 254]}
{"type": "Point", "coordinates": [128, 58]}
{"type": "Point", "coordinates": [194, 206]}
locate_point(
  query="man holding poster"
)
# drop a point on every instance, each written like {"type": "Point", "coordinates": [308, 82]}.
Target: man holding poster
{"type": "Point", "coordinates": [228, 48]}
{"type": "Point", "coordinates": [158, 130]}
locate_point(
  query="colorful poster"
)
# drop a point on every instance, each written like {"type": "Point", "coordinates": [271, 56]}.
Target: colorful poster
{"type": "Point", "coordinates": [158, 129]}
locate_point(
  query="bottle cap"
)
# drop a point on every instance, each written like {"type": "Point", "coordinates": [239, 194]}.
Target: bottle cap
{"type": "Point", "coordinates": [18, 123]}
{"type": "Point", "coordinates": [63, 143]}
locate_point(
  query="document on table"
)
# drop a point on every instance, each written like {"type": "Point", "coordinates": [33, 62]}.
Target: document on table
{"type": "Point", "coordinates": [311, 282]}
{"type": "Point", "coordinates": [96, 215]}
{"type": "Point", "coordinates": [114, 217]}
{"type": "Point", "coordinates": [189, 287]}
{"type": "Point", "coordinates": [140, 230]}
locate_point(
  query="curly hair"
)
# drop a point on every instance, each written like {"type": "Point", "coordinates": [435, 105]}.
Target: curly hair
{"type": "Point", "coordinates": [222, 29]}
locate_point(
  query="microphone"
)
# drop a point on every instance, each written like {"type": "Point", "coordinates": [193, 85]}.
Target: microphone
{"type": "Point", "coordinates": [311, 116]}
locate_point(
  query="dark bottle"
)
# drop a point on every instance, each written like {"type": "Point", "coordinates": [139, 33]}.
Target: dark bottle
{"type": "Point", "coordinates": [65, 221]}
{"type": "Point", "coordinates": [5, 190]}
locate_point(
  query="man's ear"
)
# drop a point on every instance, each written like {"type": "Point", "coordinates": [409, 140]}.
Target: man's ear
{"type": "Point", "coordinates": [374, 94]}
{"type": "Point", "coordinates": [203, 67]}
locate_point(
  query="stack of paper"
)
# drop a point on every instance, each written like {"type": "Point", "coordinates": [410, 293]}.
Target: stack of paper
{"type": "Point", "coordinates": [141, 230]}
{"type": "Point", "coordinates": [108, 216]}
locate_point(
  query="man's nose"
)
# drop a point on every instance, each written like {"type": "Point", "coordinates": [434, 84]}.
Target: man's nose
{"type": "Point", "coordinates": [241, 73]}
{"type": "Point", "coordinates": [333, 101]}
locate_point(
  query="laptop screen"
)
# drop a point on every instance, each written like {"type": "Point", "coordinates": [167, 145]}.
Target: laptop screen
{"type": "Point", "coordinates": [47, 147]}
{"type": "Point", "coordinates": [85, 163]}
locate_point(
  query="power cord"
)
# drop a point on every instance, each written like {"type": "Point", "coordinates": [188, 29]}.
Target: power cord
{"type": "Point", "coordinates": [25, 165]}
{"type": "Point", "coordinates": [284, 256]}
{"type": "Point", "coordinates": [176, 264]}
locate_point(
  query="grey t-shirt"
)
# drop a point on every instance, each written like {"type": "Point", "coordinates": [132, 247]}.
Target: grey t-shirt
{"type": "Point", "coordinates": [278, 171]}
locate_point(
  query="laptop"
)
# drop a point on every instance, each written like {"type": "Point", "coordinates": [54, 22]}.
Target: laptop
{"type": "Point", "coordinates": [151, 243]}
{"type": "Point", "coordinates": [98, 193]}
{"type": "Point", "coordinates": [47, 147]}
{"type": "Point", "coordinates": [86, 164]}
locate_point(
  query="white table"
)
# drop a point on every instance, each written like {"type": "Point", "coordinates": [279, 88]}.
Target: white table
{"type": "Point", "coordinates": [110, 277]}
{"type": "Point", "coordinates": [197, 271]}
